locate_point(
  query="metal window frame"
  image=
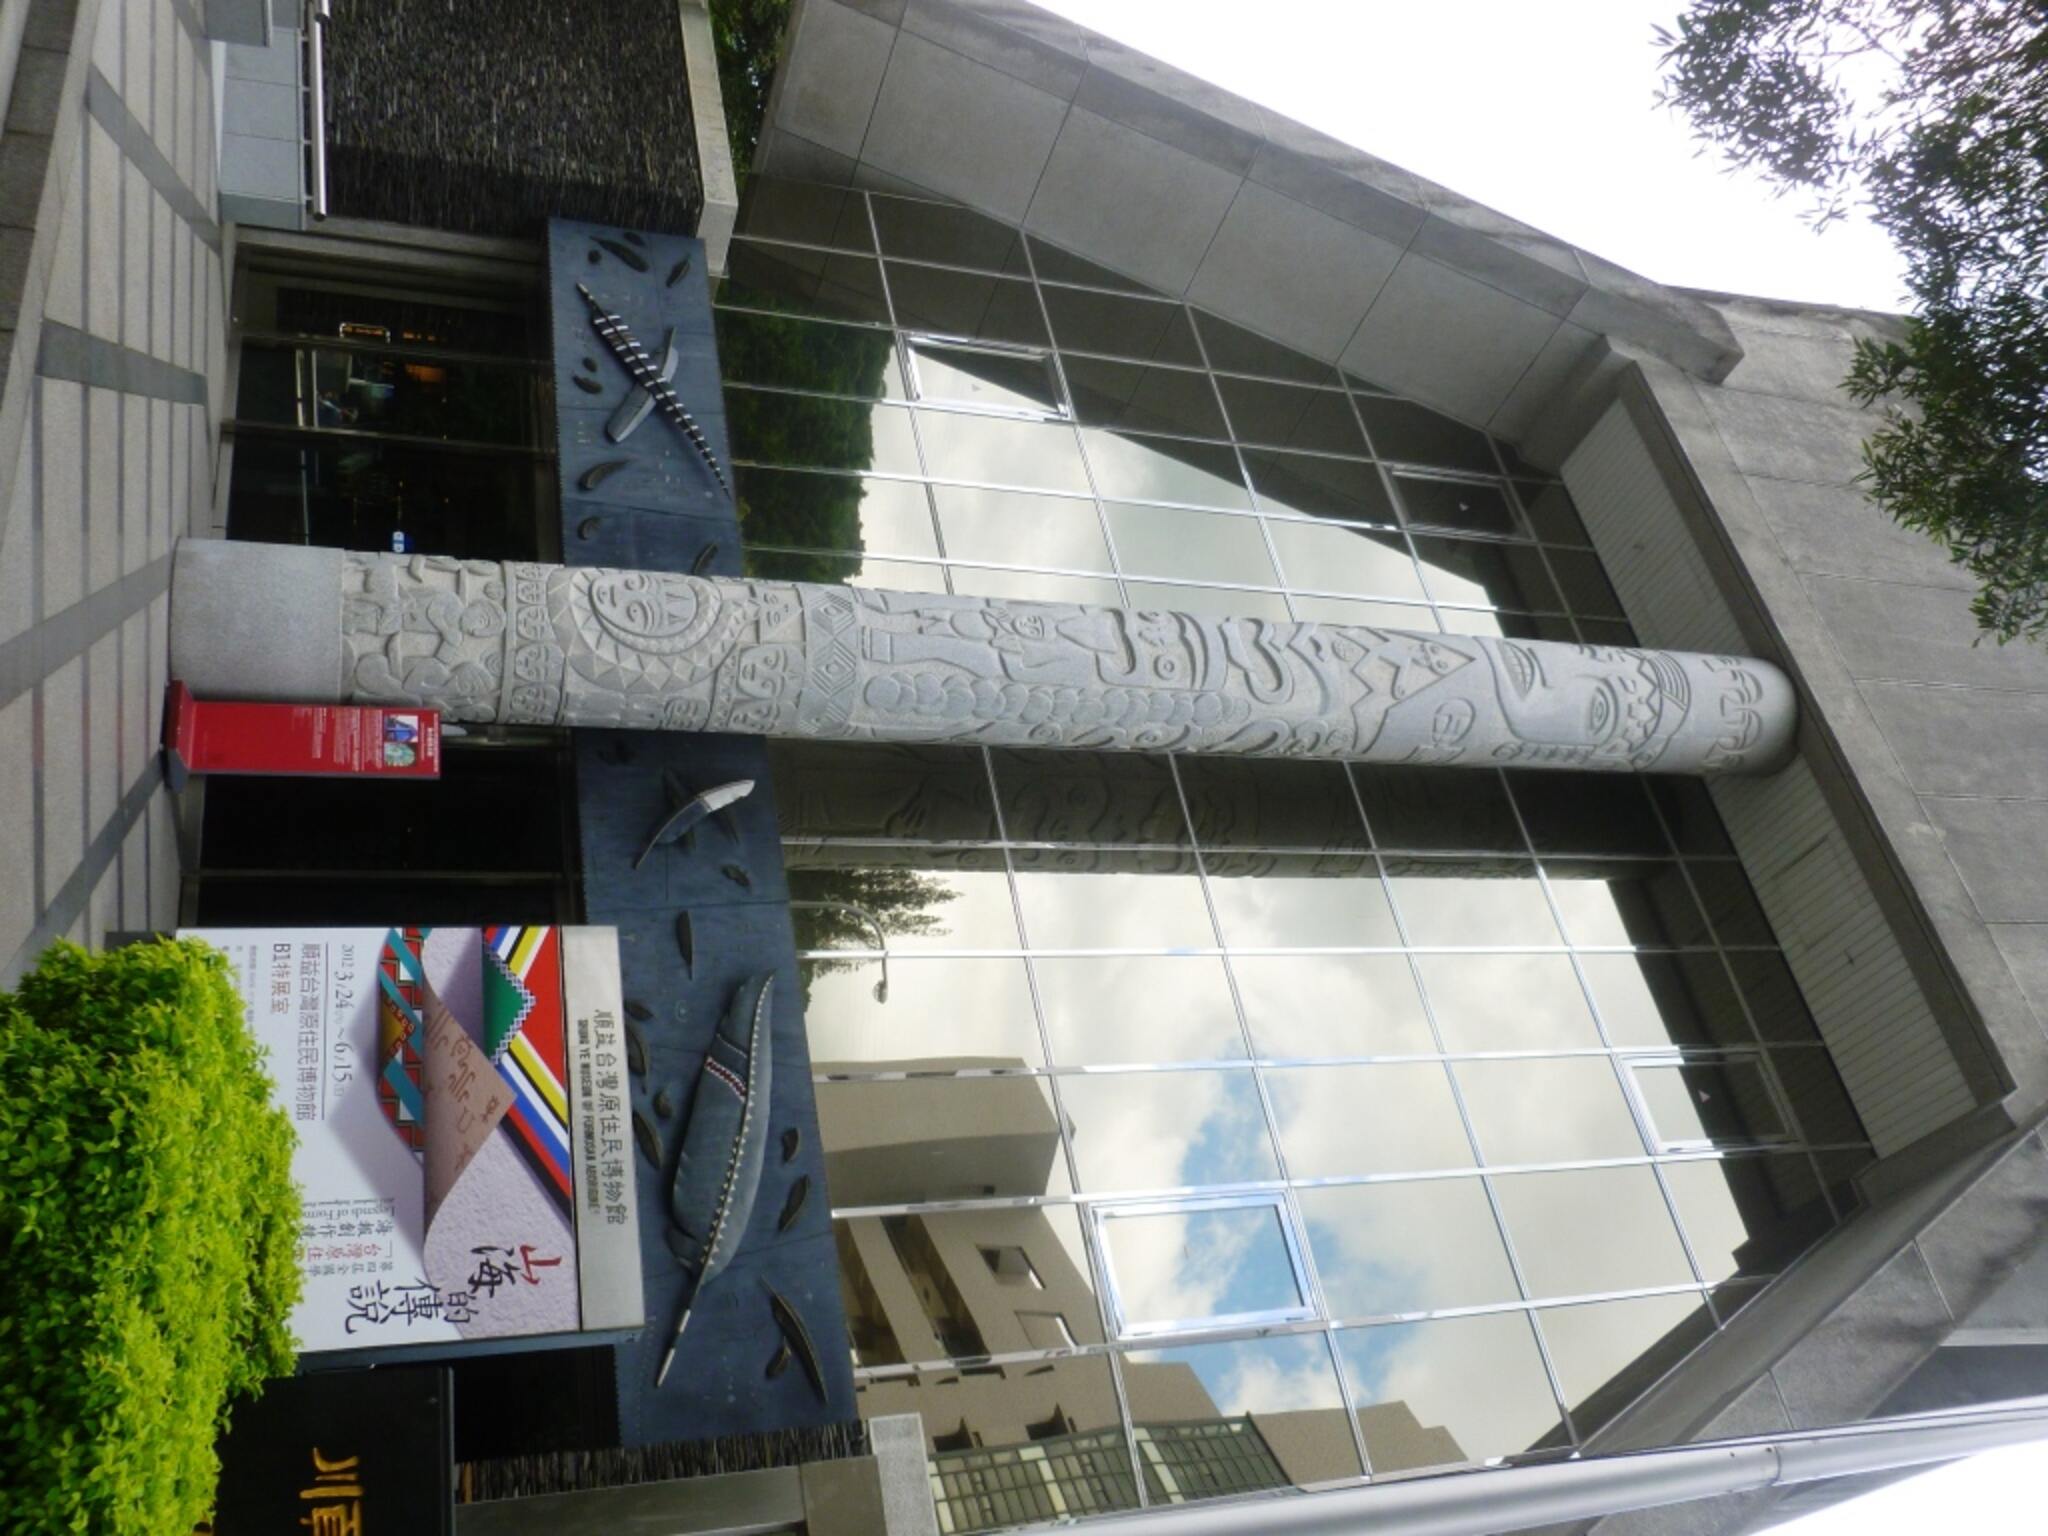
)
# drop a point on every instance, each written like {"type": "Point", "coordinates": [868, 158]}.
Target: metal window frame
{"type": "Point", "coordinates": [1126, 1329]}
{"type": "Point", "coordinates": [908, 342]}
{"type": "Point", "coordinates": [1751, 1057]}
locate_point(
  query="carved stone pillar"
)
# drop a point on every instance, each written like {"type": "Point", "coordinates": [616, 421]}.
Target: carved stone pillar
{"type": "Point", "coordinates": [551, 645]}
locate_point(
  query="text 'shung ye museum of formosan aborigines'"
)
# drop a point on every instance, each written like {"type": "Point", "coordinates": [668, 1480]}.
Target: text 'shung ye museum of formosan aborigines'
{"type": "Point", "coordinates": [1126, 809]}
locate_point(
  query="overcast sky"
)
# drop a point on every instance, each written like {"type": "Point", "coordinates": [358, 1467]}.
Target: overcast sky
{"type": "Point", "coordinates": [1542, 111]}
{"type": "Point", "coordinates": [1546, 112]}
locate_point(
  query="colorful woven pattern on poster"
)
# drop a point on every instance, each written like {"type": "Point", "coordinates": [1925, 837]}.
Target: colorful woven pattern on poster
{"type": "Point", "coordinates": [402, 1034]}
{"type": "Point", "coordinates": [523, 1034]}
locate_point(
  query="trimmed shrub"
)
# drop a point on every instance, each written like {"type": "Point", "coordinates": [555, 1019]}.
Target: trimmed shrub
{"type": "Point", "coordinates": [147, 1229]}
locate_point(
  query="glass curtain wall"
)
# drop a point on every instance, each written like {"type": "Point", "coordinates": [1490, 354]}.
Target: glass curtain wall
{"type": "Point", "coordinates": [1200, 1125]}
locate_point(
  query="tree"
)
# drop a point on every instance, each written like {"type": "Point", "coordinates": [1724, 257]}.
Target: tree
{"type": "Point", "coordinates": [1935, 114]}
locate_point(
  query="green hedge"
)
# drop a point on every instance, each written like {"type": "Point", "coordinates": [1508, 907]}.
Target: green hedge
{"type": "Point", "coordinates": [147, 1227]}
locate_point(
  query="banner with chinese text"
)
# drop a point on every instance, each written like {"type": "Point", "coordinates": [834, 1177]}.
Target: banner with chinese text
{"type": "Point", "coordinates": [461, 1105]}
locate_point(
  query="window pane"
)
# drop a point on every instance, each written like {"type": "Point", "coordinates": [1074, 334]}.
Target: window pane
{"type": "Point", "coordinates": [880, 789]}
{"type": "Point", "coordinates": [1288, 416]}
{"type": "Point", "coordinates": [1116, 904]}
{"type": "Point", "coordinates": [1411, 617]}
{"type": "Point", "coordinates": [1731, 906]}
{"type": "Point", "coordinates": [1591, 1230]}
{"type": "Point", "coordinates": [1382, 1249]}
{"type": "Point", "coordinates": [1585, 584]}
{"type": "Point", "coordinates": [834, 512]}
{"type": "Point", "coordinates": [807, 354]}
{"type": "Point", "coordinates": [805, 212]}
{"type": "Point", "coordinates": [1088, 797]}
{"type": "Point", "coordinates": [803, 282]}
{"type": "Point", "coordinates": [1196, 546]}
{"type": "Point", "coordinates": [965, 304]}
{"type": "Point", "coordinates": [1194, 1266]}
{"type": "Point", "coordinates": [1010, 527]}
{"type": "Point", "coordinates": [1652, 999]}
{"type": "Point", "coordinates": [1819, 1102]}
{"type": "Point", "coordinates": [1579, 813]}
{"type": "Point", "coordinates": [1427, 809]}
{"type": "Point", "coordinates": [1167, 1130]}
{"type": "Point", "coordinates": [1508, 1002]}
{"type": "Point", "coordinates": [1292, 905]}
{"type": "Point", "coordinates": [1149, 330]}
{"type": "Point", "coordinates": [903, 1141]}
{"type": "Point", "coordinates": [1348, 490]}
{"type": "Point", "coordinates": [1773, 996]}
{"type": "Point", "coordinates": [1031, 587]}
{"type": "Point", "coordinates": [1708, 1103]}
{"type": "Point", "coordinates": [933, 1014]}
{"type": "Point", "coordinates": [1057, 266]}
{"type": "Point", "coordinates": [1607, 1355]}
{"type": "Point", "coordinates": [1209, 602]}
{"type": "Point", "coordinates": [1058, 1450]}
{"type": "Point", "coordinates": [1262, 802]}
{"type": "Point", "coordinates": [1547, 1111]}
{"type": "Point", "coordinates": [1334, 559]}
{"type": "Point", "coordinates": [1134, 395]}
{"type": "Point", "coordinates": [1463, 505]}
{"type": "Point", "coordinates": [1688, 810]}
{"type": "Point", "coordinates": [1233, 349]}
{"type": "Point", "coordinates": [1138, 1008]}
{"type": "Point", "coordinates": [1497, 575]}
{"type": "Point", "coordinates": [1471, 901]}
{"type": "Point", "coordinates": [1268, 1412]}
{"type": "Point", "coordinates": [1164, 469]}
{"type": "Point", "coordinates": [1509, 626]}
{"type": "Point", "coordinates": [917, 908]}
{"type": "Point", "coordinates": [1414, 434]}
{"type": "Point", "coordinates": [1748, 1215]}
{"type": "Point", "coordinates": [842, 570]}
{"type": "Point", "coordinates": [1037, 455]}
{"type": "Point", "coordinates": [956, 237]}
{"type": "Point", "coordinates": [809, 432]}
{"type": "Point", "coordinates": [1396, 1118]}
{"type": "Point", "coordinates": [1332, 1005]}
{"type": "Point", "coordinates": [1459, 1389]}
{"type": "Point", "coordinates": [992, 380]}
{"type": "Point", "coordinates": [1642, 902]}
{"type": "Point", "coordinates": [1552, 514]}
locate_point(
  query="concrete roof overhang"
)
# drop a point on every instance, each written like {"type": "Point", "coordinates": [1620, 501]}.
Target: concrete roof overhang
{"type": "Point", "coordinates": [1139, 167]}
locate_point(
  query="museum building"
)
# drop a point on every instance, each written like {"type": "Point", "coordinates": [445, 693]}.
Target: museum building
{"type": "Point", "coordinates": [1174, 1126]}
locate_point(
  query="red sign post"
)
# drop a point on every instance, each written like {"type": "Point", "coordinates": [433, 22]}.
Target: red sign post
{"type": "Point", "coordinates": [302, 740]}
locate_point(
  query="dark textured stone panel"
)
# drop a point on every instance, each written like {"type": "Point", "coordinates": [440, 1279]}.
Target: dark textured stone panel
{"type": "Point", "coordinates": [491, 116]}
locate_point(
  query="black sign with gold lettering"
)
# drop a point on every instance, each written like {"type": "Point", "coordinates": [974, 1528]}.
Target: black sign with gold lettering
{"type": "Point", "coordinates": [342, 1453]}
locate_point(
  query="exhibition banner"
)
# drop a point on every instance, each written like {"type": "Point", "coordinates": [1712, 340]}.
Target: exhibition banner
{"type": "Point", "coordinates": [300, 740]}
{"type": "Point", "coordinates": [464, 1152]}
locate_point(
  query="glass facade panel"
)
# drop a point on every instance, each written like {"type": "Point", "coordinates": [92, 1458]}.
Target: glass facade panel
{"type": "Point", "coordinates": [1192, 546]}
{"type": "Point", "coordinates": [1219, 1419]}
{"type": "Point", "coordinates": [1012, 528]}
{"type": "Point", "coordinates": [925, 1011]}
{"type": "Point", "coordinates": [1142, 397]}
{"type": "Point", "coordinates": [1114, 978]}
{"type": "Point", "coordinates": [1591, 1231]}
{"type": "Point", "coordinates": [1383, 1250]}
{"type": "Point", "coordinates": [1288, 416]}
{"type": "Point", "coordinates": [1039, 456]}
{"type": "Point", "coordinates": [1199, 1262]}
{"type": "Point", "coordinates": [1294, 904]}
{"type": "Point", "coordinates": [1444, 1393]}
{"type": "Point", "coordinates": [1554, 1110]}
{"type": "Point", "coordinates": [1369, 562]}
{"type": "Point", "coordinates": [1332, 1005]}
{"type": "Point", "coordinates": [806, 213]}
{"type": "Point", "coordinates": [1164, 469]}
{"type": "Point", "coordinates": [1132, 1009]}
{"type": "Point", "coordinates": [1114, 901]}
{"type": "Point", "coordinates": [1508, 1002]}
{"type": "Point", "coordinates": [1471, 901]}
{"type": "Point", "coordinates": [1607, 1354]}
{"type": "Point", "coordinates": [1341, 1121]}
{"type": "Point", "coordinates": [1140, 1131]}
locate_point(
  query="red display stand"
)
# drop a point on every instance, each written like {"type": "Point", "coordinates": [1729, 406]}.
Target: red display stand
{"type": "Point", "coordinates": [302, 740]}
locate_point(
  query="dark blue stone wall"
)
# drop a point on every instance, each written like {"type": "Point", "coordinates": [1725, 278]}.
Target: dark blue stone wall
{"type": "Point", "coordinates": [663, 510]}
